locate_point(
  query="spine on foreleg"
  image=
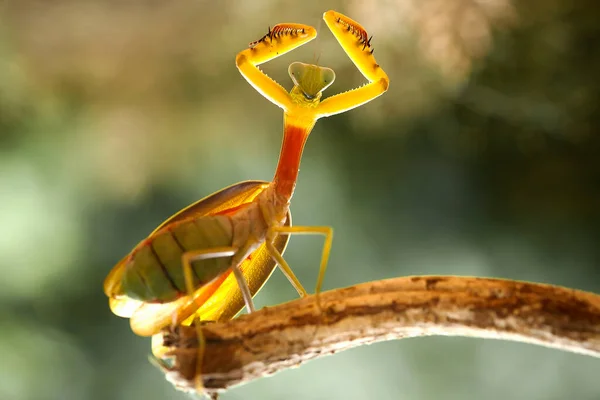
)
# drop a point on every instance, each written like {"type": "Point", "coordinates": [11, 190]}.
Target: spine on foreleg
{"type": "Point", "coordinates": [154, 272]}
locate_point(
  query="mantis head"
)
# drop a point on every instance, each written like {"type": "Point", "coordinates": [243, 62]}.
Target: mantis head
{"type": "Point", "coordinates": [310, 79]}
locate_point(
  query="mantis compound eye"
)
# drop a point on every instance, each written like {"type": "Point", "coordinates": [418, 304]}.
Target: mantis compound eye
{"type": "Point", "coordinates": [311, 79]}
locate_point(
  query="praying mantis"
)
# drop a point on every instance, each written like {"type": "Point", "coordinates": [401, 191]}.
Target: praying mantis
{"type": "Point", "coordinates": [207, 261]}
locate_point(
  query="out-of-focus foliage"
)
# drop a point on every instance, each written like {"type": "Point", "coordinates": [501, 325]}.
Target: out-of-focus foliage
{"type": "Point", "coordinates": [482, 159]}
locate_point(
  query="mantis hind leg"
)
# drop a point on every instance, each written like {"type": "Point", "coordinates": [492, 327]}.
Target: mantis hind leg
{"type": "Point", "coordinates": [327, 231]}
{"type": "Point", "coordinates": [186, 262]}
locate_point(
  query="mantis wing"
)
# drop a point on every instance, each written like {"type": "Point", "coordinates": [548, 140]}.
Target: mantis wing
{"type": "Point", "coordinates": [149, 318]}
{"type": "Point", "coordinates": [232, 196]}
{"type": "Point", "coordinates": [219, 300]}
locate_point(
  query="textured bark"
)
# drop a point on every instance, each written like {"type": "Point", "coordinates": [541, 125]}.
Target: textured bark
{"type": "Point", "coordinates": [290, 334]}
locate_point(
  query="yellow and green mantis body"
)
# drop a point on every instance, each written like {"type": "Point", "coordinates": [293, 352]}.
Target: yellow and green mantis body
{"type": "Point", "coordinates": [208, 260]}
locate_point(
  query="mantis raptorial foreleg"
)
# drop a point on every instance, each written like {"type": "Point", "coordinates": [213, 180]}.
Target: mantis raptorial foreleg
{"type": "Point", "coordinates": [280, 39]}
{"type": "Point", "coordinates": [354, 40]}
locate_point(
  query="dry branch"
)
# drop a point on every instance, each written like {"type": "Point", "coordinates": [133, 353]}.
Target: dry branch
{"type": "Point", "coordinates": [290, 334]}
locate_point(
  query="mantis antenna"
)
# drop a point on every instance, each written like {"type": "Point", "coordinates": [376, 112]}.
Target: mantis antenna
{"type": "Point", "coordinates": [318, 51]}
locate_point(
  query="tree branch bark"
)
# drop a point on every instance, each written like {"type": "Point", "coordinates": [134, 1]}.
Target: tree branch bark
{"type": "Point", "coordinates": [290, 334]}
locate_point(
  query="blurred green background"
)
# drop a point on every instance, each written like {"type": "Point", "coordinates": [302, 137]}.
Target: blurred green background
{"type": "Point", "coordinates": [482, 159]}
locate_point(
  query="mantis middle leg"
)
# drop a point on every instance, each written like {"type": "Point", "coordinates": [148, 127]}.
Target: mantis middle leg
{"type": "Point", "coordinates": [186, 261]}
{"type": "Point", "coordinates": [327, 231]}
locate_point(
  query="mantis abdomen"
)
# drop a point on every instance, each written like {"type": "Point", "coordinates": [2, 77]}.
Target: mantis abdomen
{"type": "Point", "coordinates": [154, 271]}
